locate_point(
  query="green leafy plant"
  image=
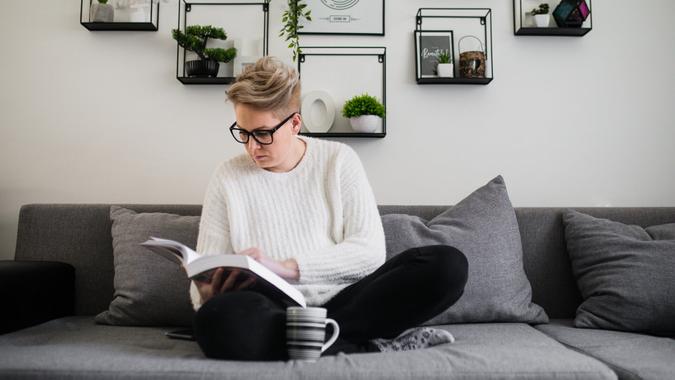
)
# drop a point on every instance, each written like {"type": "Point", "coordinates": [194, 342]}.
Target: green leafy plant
{"type": "Point", "coordinates": [103, 1]}
{"type": "Point", "coordinates": [444, 57]}
{"type": "Point", "coordinates": [362, 105]}
{"type": "Point", "coordinates": [297, 10]}
{"type": "Point", "coordinates": [541, 10]}
{"type": "Point", "coordinates": [196, 37]}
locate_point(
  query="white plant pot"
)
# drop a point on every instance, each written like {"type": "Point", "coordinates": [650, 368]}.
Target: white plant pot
{"type": "Point", "coordinates": [445, 70]}
{"type": "Point", "coordinates": [365, 123]}
{"type": "Point", "coordinates": [542, 21]}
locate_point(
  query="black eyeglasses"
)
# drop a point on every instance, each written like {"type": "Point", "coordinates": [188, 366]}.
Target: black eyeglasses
{"type": "Point", "coordinates": [262, 136]}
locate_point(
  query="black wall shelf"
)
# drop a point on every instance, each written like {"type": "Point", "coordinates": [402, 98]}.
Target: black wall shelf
{"type": "Point", "coordinates": [524, 27]}
{"type": "Point", "coordinates": [151, 25]}
{"type": "Point", "coordinates": [184, 9]}
{"type": "Point", "coordinates": [217, 80]}
{"type": "Point", "coordinates": [454, 80]}
{"type": "Point", "coordinates": [379, 54]}
{"type": "Point", "coordinates": [457, 21]}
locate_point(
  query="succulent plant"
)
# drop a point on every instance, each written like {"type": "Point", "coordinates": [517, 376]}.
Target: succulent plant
{"type": "Point", "coordinates": [543, 9]}
{"type": "Point", "coordinates": [362, 105]}
{"type": "Point", "coordinates": [444, 57]}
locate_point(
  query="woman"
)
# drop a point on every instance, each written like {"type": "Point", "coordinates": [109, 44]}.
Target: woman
{"type": "Point", "coordinates": [303, 207]}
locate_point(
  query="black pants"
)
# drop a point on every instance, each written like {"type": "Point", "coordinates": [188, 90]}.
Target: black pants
{"type": "Point", "coordinates": [407, 290]}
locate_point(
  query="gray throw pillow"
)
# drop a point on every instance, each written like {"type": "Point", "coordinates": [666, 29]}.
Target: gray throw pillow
{"type": "Point", "coordinates": [484, 227]}
{"type": "Point", "coordinates": [150, 290]}
{"type": "Point", "coordinates": [626, 274]}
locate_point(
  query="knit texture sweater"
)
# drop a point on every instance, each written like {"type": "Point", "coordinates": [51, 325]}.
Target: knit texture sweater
{"type": "Point", "coordinates": [322, 213]}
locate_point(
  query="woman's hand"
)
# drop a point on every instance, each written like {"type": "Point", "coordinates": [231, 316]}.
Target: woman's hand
{"type": "Point", "coordinates": [219, 283]}
{"type": "Point", "coordinates": [287, 269]}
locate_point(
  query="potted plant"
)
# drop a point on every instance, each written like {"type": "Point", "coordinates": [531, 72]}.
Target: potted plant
{"type": "Point", "coordinates": [445, 68]}
{"type": "Point", "coordinates": [101, 11]}
{"type": "Point", "coordinates": [297, 9]}
{"type": "Point", "coordinates": [541, 16]}
{"type": "Point", "coordinates": [195, 39]}
{"type": "Point", "coordinates": [364, 113]}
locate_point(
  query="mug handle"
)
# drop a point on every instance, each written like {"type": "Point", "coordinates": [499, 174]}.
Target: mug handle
{"type": "Point", "coordinates": [336, 333]}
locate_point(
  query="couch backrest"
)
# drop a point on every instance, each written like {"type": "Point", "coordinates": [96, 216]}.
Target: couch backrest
{"type": "Point", "coordinates": [79, 234]}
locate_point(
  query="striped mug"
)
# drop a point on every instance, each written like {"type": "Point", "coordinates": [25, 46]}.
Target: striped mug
{"type": "Point", "coordinates": [306, 331]}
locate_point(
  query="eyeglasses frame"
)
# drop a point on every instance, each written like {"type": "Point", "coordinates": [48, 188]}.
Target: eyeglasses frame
{"type": "Point", "coordinates": [234, 128]}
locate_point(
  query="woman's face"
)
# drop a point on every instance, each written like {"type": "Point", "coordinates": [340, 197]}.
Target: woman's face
{"type": "Point", "coordinates": [276, 156]}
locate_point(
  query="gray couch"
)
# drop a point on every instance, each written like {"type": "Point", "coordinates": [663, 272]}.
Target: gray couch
{"type": "Point", "coordinates": [66, 343]}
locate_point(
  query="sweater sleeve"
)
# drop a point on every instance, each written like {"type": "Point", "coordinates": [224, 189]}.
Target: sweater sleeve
{"type": "Point", "coordinates": [362, 249]}
{"type": "Point", "coordinates": [214, 226]}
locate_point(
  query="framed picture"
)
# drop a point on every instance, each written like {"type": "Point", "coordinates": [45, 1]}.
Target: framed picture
{"type": "Point", "coordinates": [429, 44]}
{"type": "Point", "coordinates": [240, 63]}
{"type": "Point", "coordinates": [347, 17]}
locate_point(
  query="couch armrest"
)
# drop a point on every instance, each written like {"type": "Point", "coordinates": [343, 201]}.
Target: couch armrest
{"type": "Point", "coordinates": [32, 292]}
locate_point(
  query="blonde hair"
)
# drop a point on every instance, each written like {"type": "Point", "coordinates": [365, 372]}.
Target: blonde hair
{"type": "Point", "coordinates": [267, 85]}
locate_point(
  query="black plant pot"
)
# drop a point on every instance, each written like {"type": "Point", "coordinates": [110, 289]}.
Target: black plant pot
{"type": "Point", "coordinates": [202, 68]}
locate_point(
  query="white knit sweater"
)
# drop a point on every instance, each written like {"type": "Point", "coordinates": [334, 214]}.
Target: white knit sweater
{"type": "Point", "coordinates": [322, 213]}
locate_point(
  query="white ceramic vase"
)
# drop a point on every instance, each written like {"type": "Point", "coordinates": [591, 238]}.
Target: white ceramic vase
{"type": "Point", "coordinates": [542, 21]}
{"type": "Point", "coordinates": [365, 123]}
{"type": "Point", "coordinates": [445, 70]}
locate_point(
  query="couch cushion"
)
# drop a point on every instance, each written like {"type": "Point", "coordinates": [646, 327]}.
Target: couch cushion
{"type": "Point", "coordinates": [77, 348]}
{"type": "Point", "coordinates": [484, 227]}
{"type": "Point", "coordinates": [630, 355]}
{"type": "Point", "coordinates": [149, 289]}
{"type": "Point", "coordinates": [626, 274]}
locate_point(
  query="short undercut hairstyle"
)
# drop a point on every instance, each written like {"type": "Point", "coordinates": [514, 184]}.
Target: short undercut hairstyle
{"type": "Point", "coordinates": [268, 85]}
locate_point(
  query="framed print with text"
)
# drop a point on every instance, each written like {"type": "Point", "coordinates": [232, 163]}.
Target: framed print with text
{"type": "Point", "coordinates": [429, 45]}
{"type": "Point", "coordinates": [348, 17]}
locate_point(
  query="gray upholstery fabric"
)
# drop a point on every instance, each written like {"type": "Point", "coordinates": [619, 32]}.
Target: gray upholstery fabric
{"type": "Point", "coordinates": [632, 356]}
{"type": "Point", "coordinates": [149, 288]}
{"type": "Point", "coordinates": [79, 234]}
{"type": "Point", "coordinates": [77, 348]}
{"type": "Point", "coordinates": [626, 277]}
{"type": "Point", "coordinates": [484, 227]}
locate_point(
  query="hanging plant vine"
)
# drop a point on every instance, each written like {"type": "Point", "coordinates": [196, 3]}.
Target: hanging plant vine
{"type": "Point", "coordinates": [297, 10]}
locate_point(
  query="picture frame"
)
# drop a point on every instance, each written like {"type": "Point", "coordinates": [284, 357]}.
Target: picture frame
{"type": "Point", "coordinates": [428, 45]}
{"type": "Point", "coordinates": [241, 62]}
{"type": "Point", "coordinates": [344, 17]}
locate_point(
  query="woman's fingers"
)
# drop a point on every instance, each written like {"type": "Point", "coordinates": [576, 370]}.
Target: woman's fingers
{"type": "Point", "coordinates": [229, 281]}
{"type": "Point", "coordinates": [253, 252]}
{"type": "Point", "coordinates": [249, 281]}
{"type": "Point", "coordinates": [217, 277]}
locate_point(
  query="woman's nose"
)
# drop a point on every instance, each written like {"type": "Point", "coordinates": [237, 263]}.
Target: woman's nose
{"type": "Point", "coordinates": [252, 143]}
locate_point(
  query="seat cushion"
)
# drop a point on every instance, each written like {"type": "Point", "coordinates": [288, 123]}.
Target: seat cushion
{"type": "Point", "coordinates": [630, 355]}
{"type": "Point", "coordinates": [78, 348]}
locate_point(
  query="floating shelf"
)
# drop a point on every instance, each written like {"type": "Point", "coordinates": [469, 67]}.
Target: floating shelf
{"type": "Point", "coordinates": [520, 18]}
{"type": "Point", "coordinates": [454, 80]}
{"type": "Point", "coordinates": [343, 134]}
{"type": "Point", "coordinates": [196, 80]}
{"type": "Point", "coordinates": [131, 26]}
{"type": "Point", "coordinates": [445, 29]}
{"type": "Point", "coordinates": [190, 7]}
{"type": "Point", "coordinates": [314, 62]}
{"type": "Point", "coordinates": [151, 25]}
{"type": "Point", "coordinates": [571, 32]}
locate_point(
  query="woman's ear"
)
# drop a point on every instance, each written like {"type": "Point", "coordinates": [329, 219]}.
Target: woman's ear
{"type": "Point", "coordinates": [297, 123]}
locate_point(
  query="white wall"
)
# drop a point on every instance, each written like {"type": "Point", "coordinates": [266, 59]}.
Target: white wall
{"type": "Point", "coordinates": [99, 116]}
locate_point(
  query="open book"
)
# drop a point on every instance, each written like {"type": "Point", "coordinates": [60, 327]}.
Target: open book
{"type": "Point", "coordinates": [201, 267]}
